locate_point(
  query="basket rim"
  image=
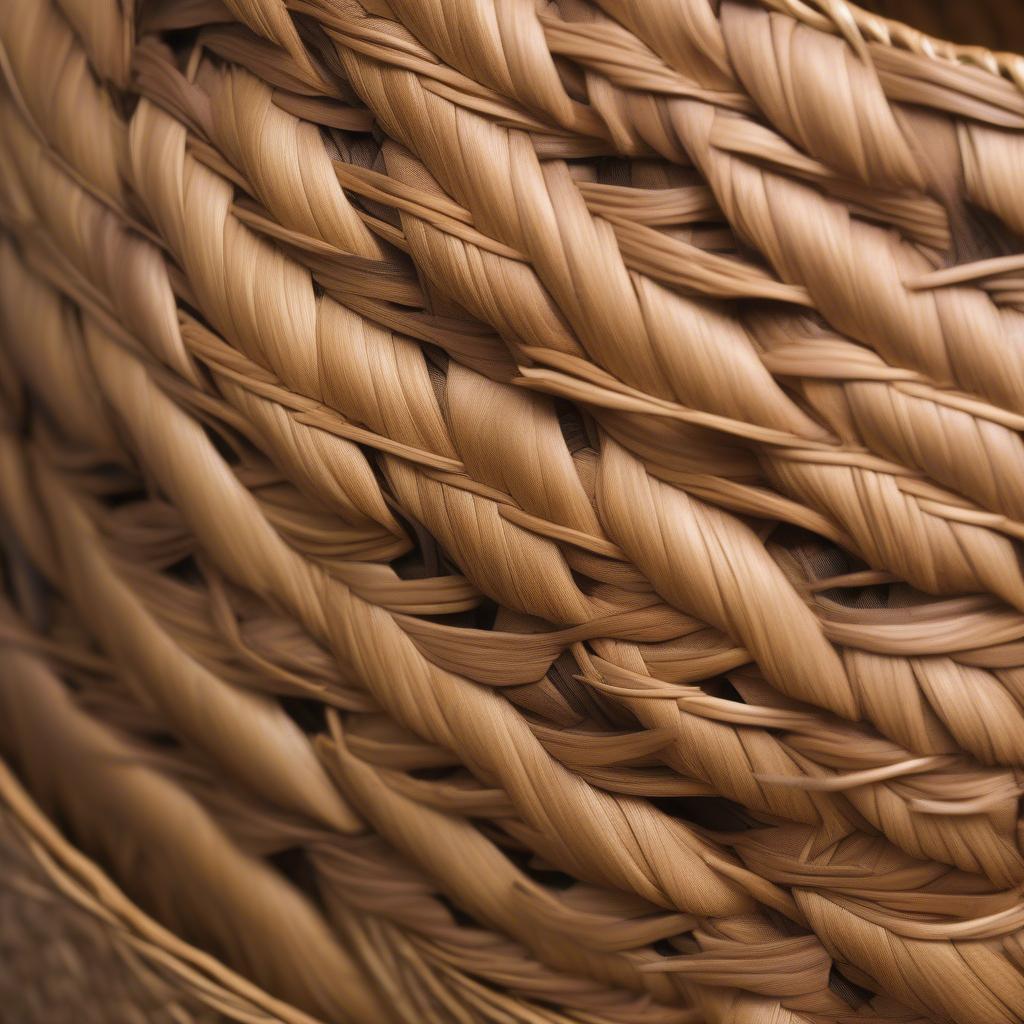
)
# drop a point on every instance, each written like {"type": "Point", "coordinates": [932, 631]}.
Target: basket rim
{"type": "Point", "coordinates": [83, 882]}
{"type": "Point", "coordinates": [860, 27]}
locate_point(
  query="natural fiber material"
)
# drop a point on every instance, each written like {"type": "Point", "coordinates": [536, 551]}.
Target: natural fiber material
{"type": "Point", "coordinates": [74, 948]}
{"type": "Point", "coordinates": [513, 511]}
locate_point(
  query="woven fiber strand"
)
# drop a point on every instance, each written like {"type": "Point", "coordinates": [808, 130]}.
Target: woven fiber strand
{"type": "Point", "coordinates": [513, 511]}
{"type": "Point", "coordinates": [74, 948]}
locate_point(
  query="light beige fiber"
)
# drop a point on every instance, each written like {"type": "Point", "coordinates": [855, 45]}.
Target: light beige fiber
{"type": "Point", "coordinates": [513, 512]}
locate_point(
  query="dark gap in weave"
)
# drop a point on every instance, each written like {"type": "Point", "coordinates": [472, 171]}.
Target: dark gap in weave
{"type": "Point", "coordinates": [584, 700]}
{"type": "Point", "coordinates": [822, 559]}
{"type": "Point", "coordinates": [572, 77]}
{"type": "Point", "coordinates": [427, 560]}
{"type": "Point", "coordinates": [979, 234]}
{"type": "Point", "coordinates": [180, 40]}
{"type": "Point", "coordinates": [163, 740]}
{"type": "Point", "coordinates": [24, 585]}
{"type": "Point", "coordinates": [185, 307]}
{"type": "Point", "coordinates": [860, 597]}
{"type": "Point", "coordinates": [542, 873]}
{"type": "Point", "coordinates": [678, 944]}
{"type": "Point", "coordinates": [226, 451]}
{"type": "Point", "coordinates": [711, 812]}
{"type": "Point", "coordinates": [575, 693]}
{"type": "Point", "coordinates": [498, 836]}
{"type": "Point", "coordinates": [185, 569]}
{"type": "Point", "coordinates": [722, 688]}
{"type": "Point", "coordinates": [620, 717]}
{"type": "Point", "coordinates": [585, 584]}
{"type": "Point", "coordinates": [324, 54]}
{"type": "Point", "coordinates": [614, 170]}
{"type": "Point", "coordinates": [125, 103]}
{"type": "Point", "coordinates": [424, 560]}
{"type": "Point", "coordinates": [458, 915]}
{"type": "Point", "coordinates": [660, 174]}
{"type": "Point", "coordinates": [849, 991]}
{"type": "Point", "coordinates": [636, 173]}
{"type": "Point", "coordinates": [335, 143]}
{"type": "Point", "coordinates": [573, 426]}
{"type": "Point", "coordinates": [483, 616]}
{"type": "Point", "coordinates": [309, 715]}
{"type": "Point", "coordinates": [825, 558]}
{"type": "Point", "coordinates": [130, 496]}
{"type": "Point", "coordinates": [591, 587]}
{"type": "Point", "coordinates": [437, 371]}
{"type": "Point", "coordinates": [364, 150]}
{"type": "Point", "coordinates": [295, 865]}
{"type": "Point", "coordinates": [436, 773]}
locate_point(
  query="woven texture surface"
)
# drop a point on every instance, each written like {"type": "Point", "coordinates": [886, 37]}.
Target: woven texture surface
{"type": "Point", "coordinates": [57, 963]}
{"type": "Point", "coordinates": [74, 948]}
{"type": "Point", "coordinates": [512, 511]}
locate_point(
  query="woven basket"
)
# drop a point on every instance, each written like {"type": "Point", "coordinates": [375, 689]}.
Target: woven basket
{"type": "Point", "coordinates": [511, 512]}
{"type": "Point", "coordinates": [74, 948]}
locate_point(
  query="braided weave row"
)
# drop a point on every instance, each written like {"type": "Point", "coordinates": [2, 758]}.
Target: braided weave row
{"type": "Point", "coordinates": [526, 500]}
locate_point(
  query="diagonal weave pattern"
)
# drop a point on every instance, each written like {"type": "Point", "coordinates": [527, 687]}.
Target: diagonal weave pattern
{"type": "Point", "coordinates": [513, 511]}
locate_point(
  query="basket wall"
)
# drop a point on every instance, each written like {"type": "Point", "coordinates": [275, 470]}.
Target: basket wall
{"type": "Point", "coordinates": [512, 512]}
